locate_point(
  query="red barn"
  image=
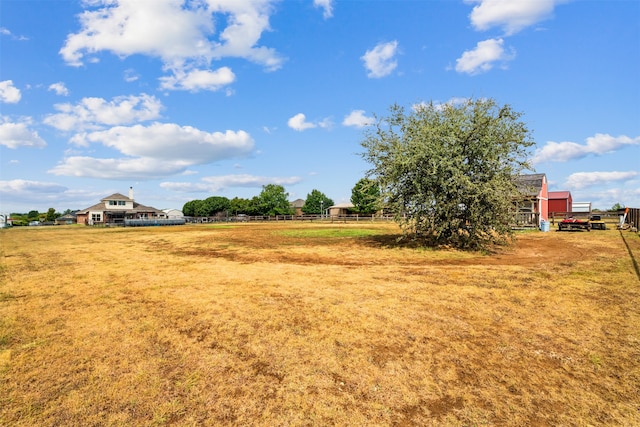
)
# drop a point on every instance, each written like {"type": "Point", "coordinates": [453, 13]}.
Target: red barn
{"type": "Point", "coordinates": [532, 206]}
{"type": "Point", "coordinates": [560, 201]}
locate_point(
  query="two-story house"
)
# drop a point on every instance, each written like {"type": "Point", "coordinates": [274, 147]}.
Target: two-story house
{"type": "Point", "coordinates": [115, 209]}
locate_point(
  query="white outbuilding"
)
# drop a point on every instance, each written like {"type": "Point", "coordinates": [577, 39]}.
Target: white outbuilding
{"type": "Point", "coordinates": [173, 213]}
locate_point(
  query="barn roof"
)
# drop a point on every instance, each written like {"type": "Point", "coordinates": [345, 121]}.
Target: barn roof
{"type": "Point", "coordinates": [531, 184]}
{"type": "Point", "coordinates": [559, 195]}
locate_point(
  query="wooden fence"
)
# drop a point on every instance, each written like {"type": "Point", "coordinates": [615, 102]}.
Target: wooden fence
{"type": "Point", "coordinates": [265, 218]}
{"type": "Point", "coordinates": [525, 220]}
{"type": "Point", "coordinates": [633, 217]}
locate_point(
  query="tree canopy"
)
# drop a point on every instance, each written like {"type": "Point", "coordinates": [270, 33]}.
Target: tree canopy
{"type": "Point", "coordinates": [365, 196]}
{"type": "Point", "coordinates": [274, 200]}
{"type": "Point", "coordinates": [316, 202]}
{"type": "Point", "coordinates": [446, 171]}
{"type": "Point", "coordinates": [210, 206]}
{"type": "Point", "coordinates": [51, 215]}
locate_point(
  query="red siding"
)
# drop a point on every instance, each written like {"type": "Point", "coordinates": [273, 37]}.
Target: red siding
{"type": "Point", "coordinates": [560, 201]}
{"type": "Point", "coordinates": [544, 200]}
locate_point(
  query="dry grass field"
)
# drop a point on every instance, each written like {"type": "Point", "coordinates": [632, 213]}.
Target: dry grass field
{"type": "Point", "coordinates": [301, 324]}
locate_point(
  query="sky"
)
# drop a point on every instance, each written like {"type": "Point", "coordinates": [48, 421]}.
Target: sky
{"type": "Point", "coordinates": [187, 99]}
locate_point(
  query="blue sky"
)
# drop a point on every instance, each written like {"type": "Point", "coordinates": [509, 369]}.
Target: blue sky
{"type": "Point", "coordinates": [183, 100]}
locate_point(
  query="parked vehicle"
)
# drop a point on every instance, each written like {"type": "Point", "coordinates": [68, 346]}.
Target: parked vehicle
{"type": "Point", "coordinates": [571, 223]}
{"type": "Point", "coordinates": [597, 223]}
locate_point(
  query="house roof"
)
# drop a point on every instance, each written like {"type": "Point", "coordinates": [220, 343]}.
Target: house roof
{"type": "Point", "coordinates": [298, 203]}
{"type": "Point", "coordinates": [96, 207]}
{"type": "Point", "coordinates": [342, 206]}
{"type": "Point", "coordinates": [116, 196]}
{"type": "Point", "coordinates": [531, 184]}
{"type": "Point", "coordinates": [559, 195]}
{"type": "Point", "coordinates": [137, 207]}
{"type": "Point", "coordinates": [71, 215]}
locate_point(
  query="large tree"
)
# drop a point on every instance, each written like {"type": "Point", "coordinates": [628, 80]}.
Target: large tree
{"type": "Point", "coordinates": [189, 208]}
{"type": "Point", "coordinates": [217, 204]}
{"type": "Point", "coordinates": [51, 215]}
{"type": "Point", "coordinates": [447, 171]}
{"type": "Point", "coordinates": [273, 200]}
{"type": "Point", "coordinates": [241, 206]}
{"type": "Point", "coordinates": [316, 203]}
{"type": "Point", "coordinates": [365, 196]}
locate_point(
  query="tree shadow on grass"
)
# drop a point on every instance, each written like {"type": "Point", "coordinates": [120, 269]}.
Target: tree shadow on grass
{"type": "Point", "coordinates": [400, 241]}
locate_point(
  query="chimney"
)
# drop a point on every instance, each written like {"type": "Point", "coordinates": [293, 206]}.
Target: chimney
{"type": "Point", "coordinates": [131, 193]}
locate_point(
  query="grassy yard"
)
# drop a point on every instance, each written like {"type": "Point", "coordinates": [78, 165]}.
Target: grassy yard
{"type": "Point", "coordinates": [292, 324]}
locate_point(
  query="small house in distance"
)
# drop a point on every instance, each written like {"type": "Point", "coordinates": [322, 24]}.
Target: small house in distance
{"type": "Point", "coordinates": [341, 209]}
{"type": "Point", "coordinates": [173, 213]}
{"type": "Point", "coordinates": [118, 209]}
{"type": "Point", "coordinates": [67, 219]}
{"type": "Point", "coordinates": [297, 206]}
{"type": "Point", "coordinates": [532, 206]}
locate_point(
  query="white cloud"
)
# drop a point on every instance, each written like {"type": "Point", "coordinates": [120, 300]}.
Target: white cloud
{"type": "Point", "coordinates": [380, 61]}
{"type": "Point", "coordinates": [168, 141]}
{"type": "Point", "coordinates": [598, 144]}
{"type": "Point", "coordinates": [299, 123]}
{"type": "Point", "coordinates": [512, 16]}
{"type": "Point", "coordinates": [130, 75]}
{"type": "Point", "coordinates": [111, 168]}
{"type": "Point", "coordinates": [439, 106]}
{"type": "Point", "coordinates": [24, 195]}
{"type": "Point", "coordinates": [154, 151]}
{"type": "Point", "coordinates": [59, 88]}
{"type": "Point", "coordinates": [125, 27]}
{"type": "Point", "coordinates": [196, 80]}
{"type": "Point", "coordinates": [9, 93]}
{"type": "Point", "coordinates": [213, 184]}
{"type": "Point", "coordinates": [6, 32]}
{"type": "Point", "coordinates": [327, 7]}
{"type": "Point", "coordinates": [95, 113]}
{"type": "Point", "coordinates": [181, 33]}
{"type": "Point", "coordinates": [580, 180]}
{"type": "Point", "coordinates": [21, 195]}
{"type": "Point", "coordinates": [357, 119]}
{"type": "Point", "coordinates": [14, 135]}
{"type": "Point", "coordinates": [325, 123]}
{"type": "Point", "coordinates": [21, 185]}
{"type": "Point", "coordinates": [483, 57]}
{"type": "Point", "coordinates": [626, 195]}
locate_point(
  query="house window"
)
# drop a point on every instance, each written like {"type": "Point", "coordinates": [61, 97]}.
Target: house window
{"type": "Point", "coordinates": [96, 217]}
{"type": "Point", "coordinates": [121, 202]}
{"type": "Point", "coordinates": [143, 216]}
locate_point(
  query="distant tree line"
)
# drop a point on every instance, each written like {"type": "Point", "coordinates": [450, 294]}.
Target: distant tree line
{"type": "Point", "coordinates": [274, 200]}
{"type": "Point", "coordinates": [25, 218]}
